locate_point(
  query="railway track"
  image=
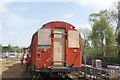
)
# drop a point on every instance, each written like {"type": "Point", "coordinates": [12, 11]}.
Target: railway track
{"type": "Point", "coordinates": [90, 73]}
{"type": "Point", "coordinates": [84, 73]}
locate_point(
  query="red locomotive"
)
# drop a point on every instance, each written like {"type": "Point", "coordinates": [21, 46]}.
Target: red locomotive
{"type": "Point", "coordinates": [56, 47]}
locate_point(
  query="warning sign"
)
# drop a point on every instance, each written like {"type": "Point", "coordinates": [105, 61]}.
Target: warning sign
{"type": "Point", "coordinates": [112, 73]}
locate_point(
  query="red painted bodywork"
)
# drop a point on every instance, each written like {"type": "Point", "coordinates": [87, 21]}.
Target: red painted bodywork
{"type": "Point", "coordinates": [71, 57]}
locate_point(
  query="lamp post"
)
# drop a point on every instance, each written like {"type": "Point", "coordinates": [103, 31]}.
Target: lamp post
{"type": "Point", "coordinates": [85, 62]}
{"type": "Point", "coordinates": [84, 57]}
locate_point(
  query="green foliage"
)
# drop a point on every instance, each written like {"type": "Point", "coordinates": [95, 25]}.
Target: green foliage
{"type": "Point", "coordinates": [111, 52]}
{"type": "Point", "coordinates": [5, 49]}
{"type": "Point", "coordinates": [102, 34]}
{"type": "Point", "coordinates": [10, 48]}
{"type": "Point", "coordinates": [102, 14]}
{"type": "Point", "coordinates": [94, 52]}
{"type": "Point", "coordinates": [1, 48]}
{"type": "Point", "coordinates": [98, 32]}
{"type": "Point", "coordinates": [110, 38]}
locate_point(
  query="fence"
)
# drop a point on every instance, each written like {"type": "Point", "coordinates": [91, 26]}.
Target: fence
{"type": "Point", "coordinates": [92, 73]}
{"type": "Point", "coordinates": [105, 61]}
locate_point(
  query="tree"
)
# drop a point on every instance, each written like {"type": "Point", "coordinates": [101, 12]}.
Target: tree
{"type": "Point", "coordinates": [11, 48]}
{"type": "Point", "coordinates": [1, 48]}
{"type": "Point", "coordinates": [102, 14]}
{"type": "Point", "coordinates": [102, 33]}
{"type": "Point", "coordinates": [17, 49]}
{"type": "Point", "coordinates": [5, 49]}
{"type": "Point", "coordinates": [115, 15]}
{"type": "Point", "coordinates": [118, 26]}
{"type": "Point", "coordinates": [85, 36]}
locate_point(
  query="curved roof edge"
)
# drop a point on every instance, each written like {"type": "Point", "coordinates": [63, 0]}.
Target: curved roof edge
{"type": "Point", "coordinates": [57, 22]}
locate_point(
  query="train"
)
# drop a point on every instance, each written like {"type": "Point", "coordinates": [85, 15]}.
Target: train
{"type": "Point", "coordinates": [56, 48]}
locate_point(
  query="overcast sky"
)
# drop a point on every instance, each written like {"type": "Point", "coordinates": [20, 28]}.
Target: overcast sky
{"type": "Point", "coordinates": [21, 19]}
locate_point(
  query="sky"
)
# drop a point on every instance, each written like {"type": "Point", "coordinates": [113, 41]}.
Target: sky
{"type": "Point", "coordinates": [21, 19]}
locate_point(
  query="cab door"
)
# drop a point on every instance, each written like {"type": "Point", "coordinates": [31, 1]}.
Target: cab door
{"type": "Point", "coordinates": [59, 47]}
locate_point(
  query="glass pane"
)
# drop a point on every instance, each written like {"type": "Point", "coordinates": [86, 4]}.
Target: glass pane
{"type": "Point", "coordinates": [44, 46]}
{"type": "Point", "coordinates": [44, 37]}
{"type": "Point", "coordinates": [73, 39]}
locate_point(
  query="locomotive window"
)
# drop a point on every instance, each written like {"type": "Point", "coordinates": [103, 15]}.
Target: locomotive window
{"type": "Point", "coordinates": [73, 39]}
{"type": "Point", "coordinates": [44, 46]}
{"type": "Point", "coordinates": [44, 37]}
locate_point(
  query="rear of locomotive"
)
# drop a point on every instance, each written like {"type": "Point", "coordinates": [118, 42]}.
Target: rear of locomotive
{"type": "Point", "coordinates": [56, 48]}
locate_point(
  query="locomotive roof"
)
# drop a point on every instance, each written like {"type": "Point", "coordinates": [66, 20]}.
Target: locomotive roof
{"type": "Point", "coordinates": [55, 22]}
